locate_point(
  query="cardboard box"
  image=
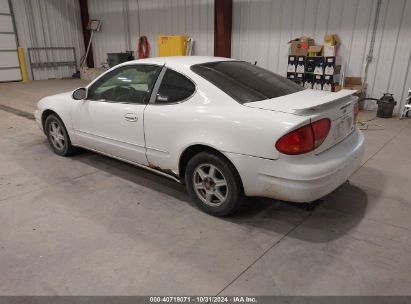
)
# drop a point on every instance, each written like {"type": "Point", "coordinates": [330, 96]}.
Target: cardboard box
{"type": "Point", "coordinates": [91, 73]}
{"type": "Point", "coordinates": [329, 40]}
{"type": "Point", "coordinates": [315, 50]}
{"type": "Point", "coordinates": [331, 44]}
{"type": "Point", "coordinates": [337, 88]}
{"type": "Point", "coordinates": [332, 39]}
{"type": "Point", "coordinates": [353, 83]}
{"type": "Point", "coordinates": [299, 46]}
{"type": "Point", "coordinates": [330, 50]}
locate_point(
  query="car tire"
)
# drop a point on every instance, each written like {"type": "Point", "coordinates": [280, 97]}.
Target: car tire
{"type": "Point", "coordinates": [57, 136]}
{"type": "Point", "coordinates": [214, 184]}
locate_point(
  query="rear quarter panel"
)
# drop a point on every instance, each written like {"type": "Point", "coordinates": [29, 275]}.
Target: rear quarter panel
{"type": "Point", "coordinates": [212, 118]}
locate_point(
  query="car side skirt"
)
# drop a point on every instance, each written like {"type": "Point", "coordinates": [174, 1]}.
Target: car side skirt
{"type": "Point", "coordinates": [148, 168]}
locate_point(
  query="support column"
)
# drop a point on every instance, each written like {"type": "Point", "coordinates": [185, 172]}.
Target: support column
{"type": "Point", "coordinates": [223, 11]}
{"type": "Point", "coordinates": [86, 33]}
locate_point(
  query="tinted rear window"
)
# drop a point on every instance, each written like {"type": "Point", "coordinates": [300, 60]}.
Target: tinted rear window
{"type": "Point", "coordinates": [174, 88]}
{"type": "Point", "coordinates": [245, 82]}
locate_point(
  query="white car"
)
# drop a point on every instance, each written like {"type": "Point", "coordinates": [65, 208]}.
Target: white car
{"type": "Point", "coordinates": [226, 128]}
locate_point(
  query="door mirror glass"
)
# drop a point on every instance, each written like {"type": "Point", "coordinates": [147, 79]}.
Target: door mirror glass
{"type": "Point", "coordinates": [80, 94]}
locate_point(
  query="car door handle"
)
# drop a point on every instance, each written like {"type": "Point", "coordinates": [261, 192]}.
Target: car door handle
{"type": "Point", "coordinates": [130, 117]}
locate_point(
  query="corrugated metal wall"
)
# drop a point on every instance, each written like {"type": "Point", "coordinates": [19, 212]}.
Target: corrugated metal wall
{"type": "Point", "coordinates": [50, 23]}
{"type": "Point", "coordinates": [151, 18]}
{"type": "Point", "coordinates": [262, 28]}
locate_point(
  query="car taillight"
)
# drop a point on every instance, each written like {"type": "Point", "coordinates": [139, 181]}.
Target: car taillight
{"type": "Point", "coordinates": [355, 111]}
{"type": "Point", "coordinates": [304, 139]}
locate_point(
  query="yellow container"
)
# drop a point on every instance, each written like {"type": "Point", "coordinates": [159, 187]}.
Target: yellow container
{"type": "Point", "coordinates": [172, 45]}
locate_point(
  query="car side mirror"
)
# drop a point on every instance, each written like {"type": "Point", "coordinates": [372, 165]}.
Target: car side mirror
{"type": "Point", "coordinates": [80, 94]}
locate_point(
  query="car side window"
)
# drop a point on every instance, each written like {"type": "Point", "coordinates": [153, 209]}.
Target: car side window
{"type": "Point", "coordinates": [174, 88]}
{"type": "Point", "coordinates": [129, 84]}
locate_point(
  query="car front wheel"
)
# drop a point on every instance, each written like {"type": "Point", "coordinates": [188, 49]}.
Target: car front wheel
{"type": "Point", "coordinates": [58, 137]}
{"type": "Point", "coordinates": [213, 184]}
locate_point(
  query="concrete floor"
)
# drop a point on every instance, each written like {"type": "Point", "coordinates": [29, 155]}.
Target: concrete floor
{"type": "Point", "coordinates": [89, 225]}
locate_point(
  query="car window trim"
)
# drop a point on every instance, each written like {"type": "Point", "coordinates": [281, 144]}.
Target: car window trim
{"type": "Point", "coordinates": [157, 85]}
{"type": "Point", "coordinates": [153, 102]}
{"type": "Point", "coordinates": [125, 102]}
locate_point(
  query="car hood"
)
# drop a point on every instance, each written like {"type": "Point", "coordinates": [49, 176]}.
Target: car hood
{"type": "Point", "coordinates": [54, 99]}
{"type": "Point", "coordinates": [300, 101]}
{"type": "Point", "coordinates": [64, 94]}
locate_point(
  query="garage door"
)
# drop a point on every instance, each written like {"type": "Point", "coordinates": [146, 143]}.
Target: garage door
{"type": "Point", "coordinates": [9, 62]}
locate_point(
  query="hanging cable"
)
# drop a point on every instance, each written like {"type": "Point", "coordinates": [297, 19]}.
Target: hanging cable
{"type": "Point", "coordinates": [143, 48]}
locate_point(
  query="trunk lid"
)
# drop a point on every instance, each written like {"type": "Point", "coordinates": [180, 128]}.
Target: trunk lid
{"type": "Point", "coordinates": [300, 102]}
{"type": "Point", "coordinates": [315, 105]}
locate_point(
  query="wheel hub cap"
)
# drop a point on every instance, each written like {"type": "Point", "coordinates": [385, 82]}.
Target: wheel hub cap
{"type": "Point", "coordinates": [56, 135]}
{"type": "Point", "coordinates": [210, 185]}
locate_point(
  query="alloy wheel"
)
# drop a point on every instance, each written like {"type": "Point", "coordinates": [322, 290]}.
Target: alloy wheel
{"type": "Point", "coordinates": [210, 185]}
{"type": "Point", "coordinates": [56, 135]}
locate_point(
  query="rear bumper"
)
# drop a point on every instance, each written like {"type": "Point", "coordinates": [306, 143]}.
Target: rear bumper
{"type": "Point", "coordinates": [303, 178]}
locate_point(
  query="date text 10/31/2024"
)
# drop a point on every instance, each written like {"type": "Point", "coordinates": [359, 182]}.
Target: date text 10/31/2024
{"type": "Point", "coordinates": [203, 299]}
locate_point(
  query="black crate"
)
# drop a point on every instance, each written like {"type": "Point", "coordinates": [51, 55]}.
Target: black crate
{"type": "Point", "coordinates": [308, 81]}
{"type": "Point", "coordinates": [291, 76]}
{"type": "Point", "coordinates": [299, 76]}
{"type": "Point", "coordinates": [312, 62]}
{"type": "Point", "coordinates": [331, 78]}
{"type": "Point", "coordinates": [300, 65]}
{"type": "Point", "coordinates": [328, 86]}
{"type": "Point", "coordinates": [292, 59]}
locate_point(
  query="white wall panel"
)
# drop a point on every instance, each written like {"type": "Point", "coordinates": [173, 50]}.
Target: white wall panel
{"type": "Point", "coordinates": [9, 63]}
{"type": "Point", "coordinates": [262, 28]}
{"type": "Point", "coordinates": [8, 42]}
{"type": "Point", "coordinates": [6, 24]}
{"type": "Point", "coordinates": [50, 23]}
{"type": "Point", "coordinates": [4, 7]}
{"type": "Point", "coordinates": [151, 18]}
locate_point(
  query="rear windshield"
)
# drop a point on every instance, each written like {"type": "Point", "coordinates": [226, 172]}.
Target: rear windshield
{"type": "Point", "coordinates": [245, 82]}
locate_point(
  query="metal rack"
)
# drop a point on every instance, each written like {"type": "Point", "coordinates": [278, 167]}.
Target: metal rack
{"type": "Point", "coordinates": [39, 57]}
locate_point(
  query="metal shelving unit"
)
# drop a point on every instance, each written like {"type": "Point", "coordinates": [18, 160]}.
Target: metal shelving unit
{"type": "Point", "coordinates": [39, 58]}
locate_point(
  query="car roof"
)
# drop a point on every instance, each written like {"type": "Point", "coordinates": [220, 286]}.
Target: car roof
{"type": "Point", "coordinates": [178, 61]}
